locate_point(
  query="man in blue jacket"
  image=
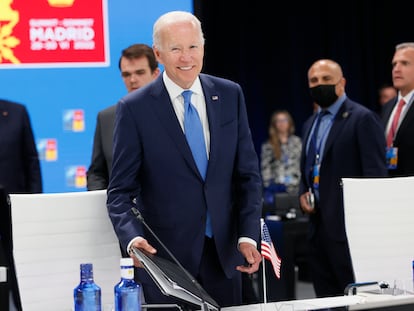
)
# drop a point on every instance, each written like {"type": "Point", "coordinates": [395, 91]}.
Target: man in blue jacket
{"type": "Point", "coordinates": [208, 218]}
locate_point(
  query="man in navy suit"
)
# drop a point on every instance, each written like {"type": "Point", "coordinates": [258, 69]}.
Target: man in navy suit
{"type": "Point", "coordinates": [401, 139]}
{"type": "Point", "coordinates": [348, 142]}
{"type": "Point", "coordinates": [19, 161]}
{"type": "Point", "coordinates": [153, 167]}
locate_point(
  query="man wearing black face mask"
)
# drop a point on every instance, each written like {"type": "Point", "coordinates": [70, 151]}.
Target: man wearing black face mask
{"type": "Point", "coordinates": [324, 94]}
{"type": "Point", "coordinates": [341, 139]}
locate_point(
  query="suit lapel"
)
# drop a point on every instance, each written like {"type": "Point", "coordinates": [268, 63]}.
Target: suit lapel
{"type": "Point", "coordinates": [341, 117]}
{"type": "Point", "coordinates": [387, 112]}
{"type": "Point", "coordinates": [164, 110]}
{"type": "Point", "coordinates": [407, 122]}
{"type": "Point", "coordinates": [213, 106]}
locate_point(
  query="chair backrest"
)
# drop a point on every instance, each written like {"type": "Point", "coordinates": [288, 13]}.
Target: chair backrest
{"type": "Point", "coordinates": [53, 233]}
{"type": "Point", "coordinates": [379, 225]}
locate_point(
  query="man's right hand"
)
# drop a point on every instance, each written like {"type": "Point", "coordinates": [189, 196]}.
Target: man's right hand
{"type": "Point", "coordinates": [142, 244]}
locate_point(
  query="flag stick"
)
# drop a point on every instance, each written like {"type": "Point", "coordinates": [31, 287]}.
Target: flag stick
{"type": "Point", "coordinates": [264, 266]}
{"type": "Point", "coordinates": [264, 281]}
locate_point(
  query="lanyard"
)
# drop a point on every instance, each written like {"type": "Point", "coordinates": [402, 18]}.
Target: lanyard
{"type": "Point", "coordinates": [324, 134]}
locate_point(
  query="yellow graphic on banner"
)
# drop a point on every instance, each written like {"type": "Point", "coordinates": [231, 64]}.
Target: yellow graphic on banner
{"type": "Point", "coordinates": [8, 19]}
{"type": "Point", "coordinates": [61, 3]}
{"type": "Point", "coordinates": [51, 150]}
{"type": "Point", "coordinates": [78, 124]}
{"type": "Point", "coordinates": [80, 181]}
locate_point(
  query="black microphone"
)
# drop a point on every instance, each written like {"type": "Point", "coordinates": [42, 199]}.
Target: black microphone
{"type": "Point", "coordinates": [204, 306]}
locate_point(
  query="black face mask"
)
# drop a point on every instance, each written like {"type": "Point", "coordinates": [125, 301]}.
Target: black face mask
{"type": "Point", "coordinates": [324, 94]}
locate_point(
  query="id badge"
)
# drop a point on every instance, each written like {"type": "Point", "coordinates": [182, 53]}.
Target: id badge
{"type": "Point", "coordinates": [392, 157]}
{"type": "Point", "coordinates": [316, 176]}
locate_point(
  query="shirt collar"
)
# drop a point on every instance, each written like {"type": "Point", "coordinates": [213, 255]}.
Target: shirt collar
{"type": "Point", "coordinates": [334, 108]}
{"type": "Point", "coordinates": [174, 90]}
{"type": "Point", "coordinates": [408, 98]}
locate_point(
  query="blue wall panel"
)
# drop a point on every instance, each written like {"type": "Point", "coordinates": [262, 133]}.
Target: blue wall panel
{"type": "Point", "coordinates": [54, 95]}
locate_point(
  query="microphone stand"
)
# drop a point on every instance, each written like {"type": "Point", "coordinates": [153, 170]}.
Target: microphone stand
{"type": "Point", "coordinates": [138, 215]}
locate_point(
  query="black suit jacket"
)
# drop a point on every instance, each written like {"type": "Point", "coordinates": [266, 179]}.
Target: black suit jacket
{"type": "Point", "coordinates": [100, 167]}
{"type": "Point", "coordinates": [355, 147]}
{"type": "Point", "coordinates": [6, 254]}
{"type": "Point", "coordinates": [19, 161]}
{"type": "Point", "coordinates": [404, 140]}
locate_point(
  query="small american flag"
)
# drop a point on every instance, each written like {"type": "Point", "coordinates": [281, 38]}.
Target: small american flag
{"type": "Point", "coordinates": [268, 250]}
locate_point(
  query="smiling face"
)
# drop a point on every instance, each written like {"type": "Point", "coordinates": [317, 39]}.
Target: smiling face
{"type": "Point", "coordinates": [181, 52]}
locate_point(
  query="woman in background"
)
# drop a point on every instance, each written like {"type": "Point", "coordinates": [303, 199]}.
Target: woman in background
{"type": "Point", "coordinates": [280, 156]}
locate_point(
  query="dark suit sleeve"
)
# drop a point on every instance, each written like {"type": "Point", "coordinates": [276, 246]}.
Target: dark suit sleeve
{"type": "Point", "coordinates": [31, 157]}
{"type": "Point", "coordinates": [123, 182]}
{"type": "Point", "coordinates": [248, 182]}
{"type": "Point", "coordinates": [97, 175]}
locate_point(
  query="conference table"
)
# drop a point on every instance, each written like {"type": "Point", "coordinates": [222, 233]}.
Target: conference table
{"type": "Point", "coordinates": [361, 301]}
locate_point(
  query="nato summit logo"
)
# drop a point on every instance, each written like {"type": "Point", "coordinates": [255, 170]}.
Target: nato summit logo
{"type": "Point", "coordinates": [47, 149]}
{"type": "Point", "coordinates": [74, 120]}
{"type": "Point", "coordinates": [75, 176]}
{"type": "Point", "coordinates": [53, 33]}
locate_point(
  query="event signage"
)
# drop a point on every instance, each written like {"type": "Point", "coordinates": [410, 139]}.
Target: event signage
{"type": "Point", "coordinates": [53, 33]}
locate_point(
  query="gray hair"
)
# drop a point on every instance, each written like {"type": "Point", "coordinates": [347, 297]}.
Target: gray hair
{"type": "Point", "coordinates": [404, 45]}
{"type": "Point", "coordinates": [174, 17]}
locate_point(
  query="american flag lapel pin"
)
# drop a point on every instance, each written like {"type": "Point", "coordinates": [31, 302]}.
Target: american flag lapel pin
{"type": "Point", "coordinates": [214, 97]}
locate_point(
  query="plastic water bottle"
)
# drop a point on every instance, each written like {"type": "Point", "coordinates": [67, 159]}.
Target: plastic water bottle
{"type": "Point", "coordinates": [127, 292]}
{"type": "Point", "coordinates": [87, 295]}
{"type": "Point", "coordinates": [412, 283]}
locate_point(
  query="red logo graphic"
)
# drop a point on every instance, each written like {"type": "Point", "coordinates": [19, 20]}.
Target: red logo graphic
{"type": "Point", "coordinates": [53, 33]}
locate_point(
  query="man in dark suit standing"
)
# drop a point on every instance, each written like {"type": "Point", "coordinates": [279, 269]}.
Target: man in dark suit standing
{"type": "Point", "coordinates": [342, 139]}
{"type": "Point", "coordinates": [398, 114]}
{"type": "Point", "coordinates": [209, 218]}
{"type": "Point", "coordinates": [19, 173]}
{"type": "Point", "coordinates": [138, 66]}
{"type": "Point", "coordinates": [19, 161]}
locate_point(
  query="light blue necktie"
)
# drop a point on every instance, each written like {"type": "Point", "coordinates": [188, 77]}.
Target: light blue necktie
{"type": "Point", "coordinates": [195, 137]}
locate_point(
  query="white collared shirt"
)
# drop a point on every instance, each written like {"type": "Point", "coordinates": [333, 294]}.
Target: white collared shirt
{"type": "Point", "coordinates": [198, 101]}
{"type": "Point", "coordinates": [408, 99]}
